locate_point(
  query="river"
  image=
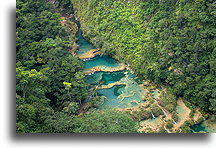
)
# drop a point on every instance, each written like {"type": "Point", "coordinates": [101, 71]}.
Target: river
{"type": "Point", "coordinates": [119, 89]}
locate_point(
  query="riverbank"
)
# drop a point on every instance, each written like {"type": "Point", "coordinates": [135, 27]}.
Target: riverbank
{"type": "Point", "coordinates": [127, 95]}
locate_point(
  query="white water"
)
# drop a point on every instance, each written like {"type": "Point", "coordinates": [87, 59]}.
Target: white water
{"type": "Point", "coordinates": [152, 115]}
{"type": "Point", "coordinates": [164, 112]}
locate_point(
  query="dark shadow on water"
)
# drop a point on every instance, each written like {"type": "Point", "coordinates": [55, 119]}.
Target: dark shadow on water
{"type": "Point", "coordinates": [73, 137]}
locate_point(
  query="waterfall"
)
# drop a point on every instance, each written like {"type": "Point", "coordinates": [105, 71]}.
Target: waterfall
{"type": "Point", "coordinates": [174, 121]}
{"type": "Point", "coordinates": [76, 18]}
{"type": "Point", "coordinates": [167, 129]}
{"type": "Point", "coordinates": [152, 115]}
{"type": "Point", "coordinates": [164, 112]}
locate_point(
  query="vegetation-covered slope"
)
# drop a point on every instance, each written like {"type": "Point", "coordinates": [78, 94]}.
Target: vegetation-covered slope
{"type": "Point", "coordinates": [170, 42]}
{"type": "Point", "coordinates": [50, 85]}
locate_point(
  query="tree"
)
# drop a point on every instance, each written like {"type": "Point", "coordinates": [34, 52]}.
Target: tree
{"type": "Point", "coordinates": [167, 42]}
{"type": "Point", "coordinates": [107, 121]}
{"type": "Point", "coordinates": [44, 67]}
{"type": "Point", "coordinates": [60, 123]}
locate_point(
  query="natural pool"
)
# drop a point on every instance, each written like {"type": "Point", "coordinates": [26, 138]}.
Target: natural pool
{"type": "Point", "coordinates": [98, 60]}
{"type": "Point", "coordinates": [201, 127]}
{"type": "Point", "coordinates": [105, 78]}
{"type": "Point", "coordinates": [121, 88]}
{"type": "Point", "coordinates": [83, 44]}
{"type": "Point", "coordinates": [124, 91]}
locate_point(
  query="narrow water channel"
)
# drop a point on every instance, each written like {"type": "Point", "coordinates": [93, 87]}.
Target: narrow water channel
{"type": "Point", "coordinates": [118, 88]}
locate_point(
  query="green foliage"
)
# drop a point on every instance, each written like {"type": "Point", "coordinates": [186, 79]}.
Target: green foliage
{"type": "Point", "coordinates": [199, 120]}
{"type": "Point", "coordinates": [169, 124]}
{"type": "Point", "coordinates": [59, 123]}
{"type": "Point", "coordinates": [49, 80]}
{"type": "Point", "coordinates": [105, 122]}
{"type": "Point", "coordinates": [65, 4]}
{"type": "Point", "coordinates": [50, 83]}
{"type": "Point", "coordinates": [30, 82]}
{"type": "Point", "coordinates": [212, 119]}
{"type": "Point", "coordinates": [71, 108]}
{"type": "Point", "coordinates": [97, 101]}
{"type": "Point", "coordinates": [167, 42]}
{"type": "Point", "coordinates": [31, 113]}
{"type": "Point", "coordinates": [175, 116]}
{"type": "Point", "coordinates": [167, 100]}
{"type": "Point", "coordinates": [141, 114]}
{"type": "Point", "coordinates": [67, 85]}
{"type": "Point", "coordinates": [156, 110]}
{"type": "Point", "coordinates": [192, 113]}
{"type": "Point", "coordinates": [185, 128]}
{"type": "Point", "coordinates": [162, 130]}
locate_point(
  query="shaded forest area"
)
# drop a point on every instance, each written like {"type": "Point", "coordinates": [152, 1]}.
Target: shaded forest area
{"type": "Point", "coordinates": [170, 42]}
{"type": "Point", "coordinates": [50, 84]}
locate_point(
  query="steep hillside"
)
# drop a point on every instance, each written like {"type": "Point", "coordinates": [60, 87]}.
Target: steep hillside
{"type": "Point", "coordinates": [50, 82]}
{"type": "Point", "coordinates": [170, 42]}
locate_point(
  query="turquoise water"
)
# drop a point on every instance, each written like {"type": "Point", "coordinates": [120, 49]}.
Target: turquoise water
{"type": "Point", "coordinates": [201, 127]}
{"type": "Point", "coordinates": [111, 94]}
{"type": "Point", "coordinates": [110, 77]}
{"type": "Point", "coordinates": [98, 60]}
{"type": "Point", "coordinates": [155, 93]}
{"type": "Point", "coordinates": [83, 44]}
{"type": "Point", "coordinates": [105, 78]}
{"type": "Point", "coordinates": [114, 101]}
{"type": "Point", "coordinates": [128, 94]}
{"type": "Point", "coordinates": [95, 78]}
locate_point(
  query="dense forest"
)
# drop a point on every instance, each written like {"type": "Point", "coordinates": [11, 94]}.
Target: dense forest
{"type": "Point", "coordinates": [170, 43]}
{"type": "Point", "coordinates": [50, 84]}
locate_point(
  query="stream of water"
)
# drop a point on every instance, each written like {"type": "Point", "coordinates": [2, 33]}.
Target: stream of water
{"type": "Point", "coordinates": [120, 88]}
{"type": "Point", "coordinates": [127, 93]}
